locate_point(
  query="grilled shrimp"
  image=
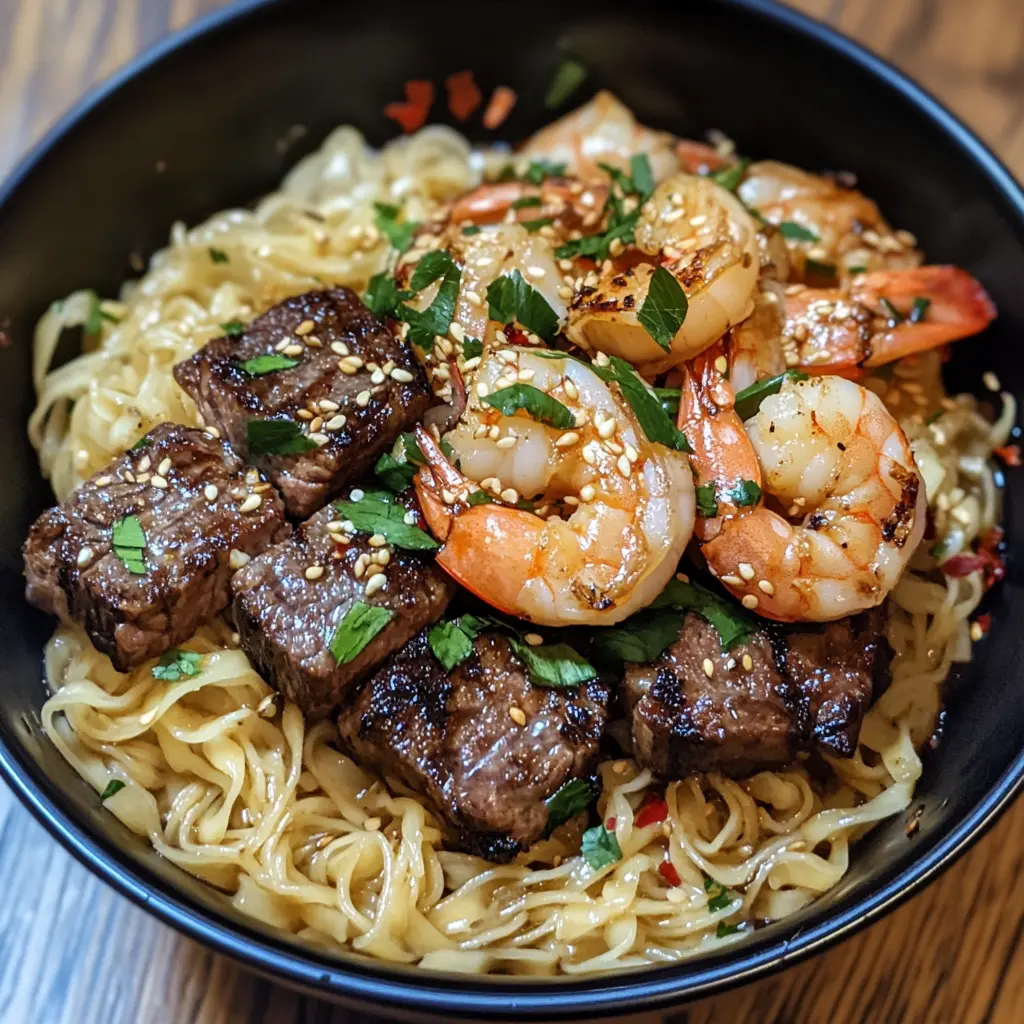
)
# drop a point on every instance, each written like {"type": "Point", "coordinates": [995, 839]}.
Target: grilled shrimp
{"type": "Point", "coordinates": [703, 236]}
{"type": "Point", "coordinates": [881, 317]}
{"type": "Point", "coordinates": [826, 222]}
{"type": "Point", "coordinates": [603, 130]}
{"type": "Point", "coordinates": [828, 453]}
{"type": "Point", "coordinates": [612, 511]}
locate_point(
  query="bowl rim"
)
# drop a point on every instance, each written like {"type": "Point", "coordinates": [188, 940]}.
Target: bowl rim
{"type": "Point", "coordinates": [412, 990]}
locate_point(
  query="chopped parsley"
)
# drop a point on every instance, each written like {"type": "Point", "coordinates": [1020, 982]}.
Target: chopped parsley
{"type": "Point", "coordinates": [538, 170]}
{"type": "Point", "coordinates": [276, 437]}
{"type": "Point", "coordinates": [794, 232]}
{"type": "Point", "coordinates": [570, 799]}
{"type": "Point", "coordinates": [113, 787]}
{"type": "Point", "coordinates": [730, 177]}
{"type": "Point", "coordinates": [360, 624]}
{"type": "Point", "coordinates": [707, 504]}
{"type": "Point", "coordinates": [819, 270]}
{"type": "Point", "coordinates": [472, 348]}
{"type": "Point", "coordinates": [918, 310]}
{"type": "Point", "coordinates": [724, 929]}
{"type": "Point", "coordinates": [509, 298]}
{"type": "Point", "coordinates": [890, 310]}
{"type": "Point", "coordinates": [748, 401]}
{"type": "Point", "coordinates": [437, 317]}
{"type": "Point", "coordinates": [452, 642]}
{"type": "Point", "coordinates": [378, 512]}
{"type": "Point", "coordinates": [217, 255]}
{"type": "Point", "coordinates": [534, 402]}
{"type": "Point", "coordinates": [537, 224]}
{"type": "Point", "coordinates": [641, 637]}
{"type": "Point", "coordinates": [94, 321]}
{"type": "Point", "coordinates": [233, 328]}
{"type": "Point", "coordinates": [569, 76]}
{"type": "Point", "coordinates": [383, 295]}
{"type": "Point", "coordinates": [731, 622]}
{"type": "Point", "coordinates": [128, 541]}
{"type": "Point", "coordinates": [664, 309]}
{"type": "Point", "coordinates": [718, 895]}
{"type": "Point", "coordinates": [260, 366]}
{"type": "Point", "coordinates": [745, 492]}
{"type": "Point", "coordinates": [176, 664]}
{"type": "Point", "coordinates": [399, 234]}
{"type": "Point", "coordinates": [143, 442]}
{"type": "Point", "coordinates": [471, 229]}
{"type": "Point", "coordinates": [669, 398]}
{"type": "Point", "coordinates": [600, 847]}
{"type": "Point", "coordinates": [525, 201]}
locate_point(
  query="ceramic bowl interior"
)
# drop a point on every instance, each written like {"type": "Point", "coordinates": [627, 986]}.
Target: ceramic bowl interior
{"type": "Point", "coordinates": [217, 111]}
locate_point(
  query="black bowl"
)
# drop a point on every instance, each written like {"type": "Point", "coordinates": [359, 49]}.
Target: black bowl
{"type": "Point", "coordinates": [217, 106]}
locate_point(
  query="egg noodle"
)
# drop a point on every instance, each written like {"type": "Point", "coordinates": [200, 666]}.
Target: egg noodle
{"type": "Point", "coordinates": [246, 795]}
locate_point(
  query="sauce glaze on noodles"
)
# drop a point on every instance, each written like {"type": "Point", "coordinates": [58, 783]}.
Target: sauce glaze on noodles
{"type": "Point", "coordinates": [240, 792]}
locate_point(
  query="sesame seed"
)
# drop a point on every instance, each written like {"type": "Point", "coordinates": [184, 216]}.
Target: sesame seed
{"type": "Point", "coordinates": [746, 570]}
{"type": "Point", "coordinates": [607, 427]}
{"type": "Point", "coordinates": [293, 350]}
{"type": "Point", "coordinates": [564, 292]}
{"type": "Point", "coordinates": [378, 540]}
{"type": "Point", "coordinates": [709, 667]}
{"type": "Point", "coordinates": [371, 824]}
{"type": "Point", "coordinates": [159, 482]}
{"type": "Point", "coordinates": [457, 331]}
{"type": "Point", "coordinates": [570, 388]}
{"type": "Point", "coordinates": [571, 500]}
{"type": "Point", "coordinates": [589, 453]}
{"type": "Point", "coordinates": [570, 437]}
{"type": "Point", "coordinates": [721, 364]}
{"type": "Point", "coordinates": [698, 220]}
{"type": "Point", "coordinates": [314, 572]}
{"type": "Point", "coordinates": [103, 481]}
{"type": "Point", "coordinates": [353, 364]}
{"type": "Point", "coordinates": [383, 556]}
{"type": "Point", "coordinates": [631, 453]}
{"type": "Point", "coordinates": [144, 464]}
{"type": "Point", "coordinates": [142, 478]}
{"type": "Point", "coordinates": [339, 348]}
{"type": "Point", "coordinates": [266, 707]}
{"type": "Point", "coordinates": [517, 715]}
{"type": "Point", "coordinates": [377, 377]}
{"type": "Point", "coordinates": [304, 414]}
{"type": "Point", "coordinates": [251, 503]}
{"type": "Point", "coordinates": [471, 364]}
{"type": "Point", "coordinates": [409, 519]}
{"type": "Point", "coordinates": [319, 439]}
{"type": "Point", "coordinates": [732, 581]}
{"type": "Point", "coordinates": [525, 375]}
{"type": "Point", "coordinates": [236, 559]}
{"type": "Point", "coordinates": [602, 359]}
{"type": "Point", "coordinates": [749, 601]}
{"type": "Point", "coordinates": [976, 631]}
{"type": "Point", "coordinates": [335, 422]}
{"type": "Point", "coordinates": [748, 662]}
{"type": "Point", "coordinates": [282, 345]}
{"type": "Point", "coordinates": [534, 639]}
{"type": "Point", "coordinates": [536, 272]}
{"type": "Point", "coordinates": [326, 405]}
{"type": "Point", "coordinates": [376, 582]}
{"type": "Point", "coordinates": [447, 496]}
{"type": "Point", "coordinates": [210, 492]}
{"type": "Point", "coordinates": [317, 424]}
{"type": "Point", "coordinates": [482, 389]}
{"type": "Point", "coordinates": [473, 298]}
{"type": "Point", "coordinates": [363, 399]}
{"type": "Point", "coordinates": [306, 327]}
{"type": "Point", "coordinates": [489, 483]}
{"type": "Point", "coordinates": [990, 380]}
{"type": "Point", "coordinates": [164, 468]}
{"type": "Point", "coordinates": [493, 433]}
{"type": "Point", "coordinates": [84, 556]}
{"type": "Point", "coordinates": [766, 587]}
{"type": "Point", "coordinates": [587, 492]}
{"type": "Point", "coordinates": [510, 494]}
{"type": "Point", "coordinates": [624, 465]}
{"type": "Point", "coordinates": [509, 441]}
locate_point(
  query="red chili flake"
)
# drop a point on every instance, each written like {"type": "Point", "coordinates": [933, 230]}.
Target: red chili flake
{"type": "Point", "coordinates": [463, 95]}
{"type": "Point", "coordinates": [988, 558]}
{"type": "Point", "coordinates": [653, 810]}
{"type": "Point", "coordinates": [984, 621]}
{"type": "Point", "coordinates": [667, 870]}
{"type": "Point", "coordinates": [412, 114]}
{"type": "Point", "coordinates": [610, 824]}
{"type": "Point", "coordinates": [1010, 454]}
{"type": "Point", "coordinates": [514, 336]}
{"type": "Point", "coordinates": [500, 105]}
{"type": "Point", "coordinates": [963, 565]}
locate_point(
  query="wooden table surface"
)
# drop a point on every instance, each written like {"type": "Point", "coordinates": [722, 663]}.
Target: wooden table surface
{"type": "Point", "coordinates": [71, 950]}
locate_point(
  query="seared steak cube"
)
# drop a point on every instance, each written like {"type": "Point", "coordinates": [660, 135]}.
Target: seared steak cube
{"type": "Point", "coordinates": [343, 389]}
{"type": "Point", "coordinates": [483, 744]}
{"type": "Point", "coordinates": [786, 689]}
{"type": "Point", "coordinates": [290, 602]}
{"type": "Point", "coordinates": [838, 668]}
{"type": "Point", "coordinates": [142, 553]}
{"type": "Point", "coordinates": [732, 718]}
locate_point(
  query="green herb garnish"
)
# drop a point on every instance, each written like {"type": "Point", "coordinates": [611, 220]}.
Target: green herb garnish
{"type": "Point", "coordinates": [645, 404]}
{"type": "Point", "coordinates": [819, 269]}
{"type": "Point", "coordinates": [472, 348]}
{"type": "Point", "coordinates": [509, 298]}
{"type": "Point", "coordinates": [538, 170]}
{"type": "Point", "coordinates": [471, 229]}
{"type": "Point", "coordinates": [890, 310]}
{"type": "Point", "coordinates": [176, 664]}
{"type": "Point", "coordinates": [746, 492]}
{"type": "Point", "coordinates": [537, 224]}
{"type": "Point", "coordinates": [112, 787]}
{"type": "Point", "coordinates": [569, 76]}
{"type": "Point", "coordinates": [749, 400]}
{"type": "Point", "coordinates": [534, 402]}
{"type": "Point", "coordinates": [399, 234]}
{"type": "Point", "coordinates": [233, 328]}
{"type": "Point", "coordinates": [553, 665]}
{"type": "Point", "coordinates": [918, 310]}
{"type": "Point", "coordinates": [730, 177]}
{"type": "Point", "coordinates": [525, 201]}
{"type": "Point", "coordinates": [664, 308]}
{"type": "Point", "coordinates": [641, 637]}
{"type": "Point", "coordinates": [394, 474]}
{"type": "Point", "coordinates": [276, 437]}
{"type": "Point", "coordinates": [718, 895]}
{"type": "Point", "coordinates": [724, 929]}
{"type": "Point", "coordinates": [438, 316]}
{"type": "Point", "coordinates": [143, 442]}
{"type": "Point", "coordinates": [452, 642]}
{"type": "Point", "coordinates": [480, 498]}
{"type": "Point", "coordinates": [128, 541]}
{"type": "Point", "coordinates": [707, 505]}
{"type": "Point", "coordinates": [262, 365]}
{"type": "Point", "coordinates": [794, 232]}
{"type": "Point", "coordinates": [731, 622]}
{"type": "Point", "coordinates": [570, 799]}
{"type": "Point", "coordinates": [361, 623]}
{"type": "Point", "coordinates": [669, 398]}
{"type": "Point", "coordinates": [94, 321]}
{"type": "Point", "coordinates": [378, 512]}
{"type": "Point", "coordinates": [600, 847]}
{"type": "Point", "coordinates": [217, 255]}
{"type": "Point", "coordinates": [859, 269]}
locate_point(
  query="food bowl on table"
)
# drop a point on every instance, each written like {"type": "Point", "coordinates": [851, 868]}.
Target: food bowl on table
{"type": "Point", "coordinates": [218, 116]}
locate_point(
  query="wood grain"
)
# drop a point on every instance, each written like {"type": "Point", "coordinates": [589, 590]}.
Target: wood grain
{"type": "Point", "coordinates": [71, 950]}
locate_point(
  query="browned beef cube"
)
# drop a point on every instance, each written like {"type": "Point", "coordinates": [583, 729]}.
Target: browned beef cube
{"type": "Point", "coordinates": [452, 737]}
{"type": "Point", "coordinates": [200, 513]}
{"type": "Point", "coordinates": [344, 356]}
{"type": "Point", "coordinates": [287, 611]}
{"type": "Point", "coordinates": [839, 667]}
{"type": "Point", "coordinates": [734, 720]}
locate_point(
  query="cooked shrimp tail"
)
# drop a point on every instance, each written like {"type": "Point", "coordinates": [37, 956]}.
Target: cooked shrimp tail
{"type": "Point", "coordinates": [883, 316]}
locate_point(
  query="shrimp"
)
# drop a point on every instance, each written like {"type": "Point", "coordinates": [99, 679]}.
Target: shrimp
{"type": "Point", "coordinates": [881, 317]}
{"type": "Point", "coordinates": [832, 225]}
{"type": "Point", "coordinates": [706, 239]}
{"type": "Point", "coordinates": [828, 453]}
{"type": "Point", "coordinates": [603, 130]}
{"type": "Point", "coordinates": [612, 511]}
